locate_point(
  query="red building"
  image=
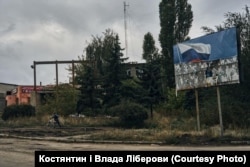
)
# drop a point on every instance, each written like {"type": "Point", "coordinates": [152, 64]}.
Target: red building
{"type": "Point", "coordinates": [21, 95]}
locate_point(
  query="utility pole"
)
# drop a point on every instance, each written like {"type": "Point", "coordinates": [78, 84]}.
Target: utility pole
{"type": "Point", "coordinates": [125, 26]}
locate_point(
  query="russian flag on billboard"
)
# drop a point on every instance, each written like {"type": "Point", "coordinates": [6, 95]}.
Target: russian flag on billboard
{"type": "Point", "coordinates": [194, 52]}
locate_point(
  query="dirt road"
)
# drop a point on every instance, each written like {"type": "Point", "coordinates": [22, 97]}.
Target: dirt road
{"type": "Point", "coordinates": [18, 145]}
{"type": "Point", "coordinates": [20, 152]}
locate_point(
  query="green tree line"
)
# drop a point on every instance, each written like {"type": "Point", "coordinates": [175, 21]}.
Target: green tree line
{"type": "Point", "coordinates": [105, 83]}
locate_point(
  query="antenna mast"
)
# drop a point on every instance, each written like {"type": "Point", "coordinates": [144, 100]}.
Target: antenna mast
{"type": "Point", "coordinates": [125, 27]}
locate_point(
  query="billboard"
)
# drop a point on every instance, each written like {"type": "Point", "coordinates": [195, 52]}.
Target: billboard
{"type": "Point", "coordinates": [210, 60]}
{"type": "Point", "coordinates": [29, 89]}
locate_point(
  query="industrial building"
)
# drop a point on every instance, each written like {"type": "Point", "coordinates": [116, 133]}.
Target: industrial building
{"type": "Point", "coordinates": [4, 88]}
{"type": "Point", "coordinates": [11, 94]}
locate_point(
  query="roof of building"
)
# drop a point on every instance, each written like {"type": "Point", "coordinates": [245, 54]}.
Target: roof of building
{"type": "Point", "coordinates": [1, 83]}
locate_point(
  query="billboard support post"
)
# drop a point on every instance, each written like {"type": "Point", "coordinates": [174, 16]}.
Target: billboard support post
{"type": "Point", "coordinates": [220, 112]}
{"type": "Point", "coordinates": [197, 110]}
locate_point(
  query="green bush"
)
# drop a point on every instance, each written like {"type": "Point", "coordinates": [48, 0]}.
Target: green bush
{"type": "Point", "coordinates": [15, 111]}
{"type": "Point", "coordinates": [130, 114]}
{"type": "Point", "coordinates": [62, 101]}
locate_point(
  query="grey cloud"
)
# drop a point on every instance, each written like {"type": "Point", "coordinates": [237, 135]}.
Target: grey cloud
{"type": "Point", "coordinates": [32, 30]}
{"type": "Point", "coordinates": [8, 28]}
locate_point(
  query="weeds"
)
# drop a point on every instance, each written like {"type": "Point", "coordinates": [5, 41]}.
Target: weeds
{"type": "Point", "coordinates": [42, 120]}
{"type": "Point", "coordinates": [168, 130]}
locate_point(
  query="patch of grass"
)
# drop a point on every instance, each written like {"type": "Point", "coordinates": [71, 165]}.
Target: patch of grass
{"type": "Point", "coordinates": [150, 135]}
{"type": "Point", "coordinates": [126, 135]}
{"type": "Point", "coordinates": [90, 121]}
{"type": "Point", "coordinates": [176, 137]}
{"type": "Point", "coordinates": [42, 120]}
{"type": "Point", "coordinates": [168, 130]}
{"type": "Point", "coordinates": [21, 122]}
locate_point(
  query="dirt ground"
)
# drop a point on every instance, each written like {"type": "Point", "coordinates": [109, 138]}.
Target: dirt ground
{"type": "Point", "coordinates": [48, 132]}
{"type": "Point", "coordinates": [17, 145]}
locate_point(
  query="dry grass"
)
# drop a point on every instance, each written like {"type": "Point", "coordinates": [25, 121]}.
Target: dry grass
{"type": "Point", "coordinates": [131, 135]}
{"type": "Point", "coordinates": [90, 121]}
{"type": "Point", "coordinates": [160, 129]}
{"type": "Point", "coordinates": [42, 120]}
{"type": "Point", "coordinates": [21, 122]}
{"type": "Point", "coordinates": [204, 137]}
{"type": "Point", "coordinates": [151, 135]}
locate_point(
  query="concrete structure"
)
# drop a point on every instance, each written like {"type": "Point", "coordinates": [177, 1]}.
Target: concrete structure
{"type": "Point", "coordinates": [21, 95]}
{"type": "Point", "coordinates": [25, 94]}
{"type": "Point", "coordinates": [4, 90]}
{"type": "Point", "coordinates": [132, 68]}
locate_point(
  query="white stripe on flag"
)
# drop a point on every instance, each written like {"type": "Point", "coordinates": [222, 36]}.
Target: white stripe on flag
{"type": "Point", "coordinates": [198, 47]}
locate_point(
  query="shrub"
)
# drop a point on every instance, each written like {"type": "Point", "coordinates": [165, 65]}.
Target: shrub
{"type": "Point", "coordinates": [15, 111]}
{"type": "Point", "coordinates": [130, 114]}
{"type": "Point", "coordinates": [62, 101]}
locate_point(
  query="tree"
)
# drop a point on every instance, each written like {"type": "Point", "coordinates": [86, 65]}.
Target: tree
{"type": "Point", "coordinates": [98, 51]}
{"type": "Point", "coordinates": [151, 73]}
{"type": "Point", "coordinates": [100, 78]}
{"type": "Point", "coordinates": [132, 90]}
{"type": "Point", "coordinates": [176, 18]}
{"type": "Point", "coordinates": [114, 73]}
{"type": "Point", "coordinates": [149, 48]}
{"type": "Point", "coordinates": [151, 83]}
{"type": "Point", "coordinates": [88, 96]}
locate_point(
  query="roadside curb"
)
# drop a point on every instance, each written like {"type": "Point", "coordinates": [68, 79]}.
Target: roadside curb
{"type": "Point", "coordinates": [66, 140]}
{"type": "Point", "coordinates": [69, 139]}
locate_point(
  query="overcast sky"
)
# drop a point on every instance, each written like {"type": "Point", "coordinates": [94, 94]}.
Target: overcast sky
{"type": "Point", "coordinates": [49, 30]}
